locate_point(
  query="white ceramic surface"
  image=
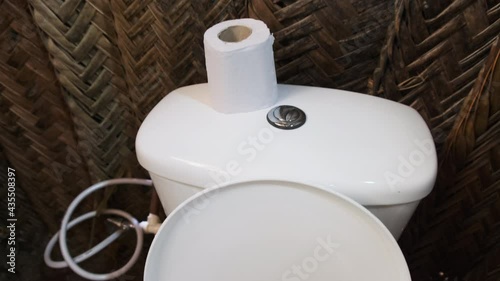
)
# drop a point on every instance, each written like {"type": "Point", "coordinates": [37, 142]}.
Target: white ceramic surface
{"type": "Point", "coordinates": [273, 231]}
{"type": "Point", "coordinates": [173, 193]}
{"type": "Point", "coordinates": [372, 150]}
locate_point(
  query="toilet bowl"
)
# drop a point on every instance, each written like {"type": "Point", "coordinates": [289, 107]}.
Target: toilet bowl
{"type": "Point", "coordinates": [375, 156]}
{"type": "Point", "coordinates": [269, 230]}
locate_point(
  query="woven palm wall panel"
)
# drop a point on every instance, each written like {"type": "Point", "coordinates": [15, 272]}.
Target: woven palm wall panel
{"type": "Point", "coordinates": [37, 130]}
{"type": "Point", "coordinates": [326, 43]}
{"type": "Point", "coordinates": [441, 57]}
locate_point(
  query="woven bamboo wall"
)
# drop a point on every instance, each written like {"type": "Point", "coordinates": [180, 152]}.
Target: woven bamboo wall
{"type": "Point", "coordinates": [78, 76]}
{"type": "Point", "coordinates": [442, 59]}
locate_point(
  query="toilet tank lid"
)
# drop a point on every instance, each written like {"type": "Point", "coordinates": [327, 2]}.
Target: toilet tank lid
{"type": "Point", "coordinates": [373, 150]}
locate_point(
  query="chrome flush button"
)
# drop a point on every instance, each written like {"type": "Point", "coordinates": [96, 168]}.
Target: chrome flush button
{"type": "Point", "coordinates": [286, 117]}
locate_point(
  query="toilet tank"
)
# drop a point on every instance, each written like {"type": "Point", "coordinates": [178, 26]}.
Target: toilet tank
{"type": "Point", "coordinates": [378, 152]}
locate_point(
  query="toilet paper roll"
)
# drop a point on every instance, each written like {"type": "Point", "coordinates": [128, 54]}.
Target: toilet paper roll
{"type": "Point", "coordinates": [240, 66]}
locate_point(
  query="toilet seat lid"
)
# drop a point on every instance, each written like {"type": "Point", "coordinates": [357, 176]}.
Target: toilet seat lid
{"type": "Point", "coordinates": [271, 230]}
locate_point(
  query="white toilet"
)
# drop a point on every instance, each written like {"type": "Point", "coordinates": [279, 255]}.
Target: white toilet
{"type": "Point", "coordinates": [316, 187]}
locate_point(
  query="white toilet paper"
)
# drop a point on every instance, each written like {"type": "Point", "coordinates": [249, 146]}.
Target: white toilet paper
{"type": "Point", "coordinates": [240, 66]}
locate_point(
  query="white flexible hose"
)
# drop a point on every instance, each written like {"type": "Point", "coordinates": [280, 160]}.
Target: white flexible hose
{"type": "Point", "coordinates": [66, 224]}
